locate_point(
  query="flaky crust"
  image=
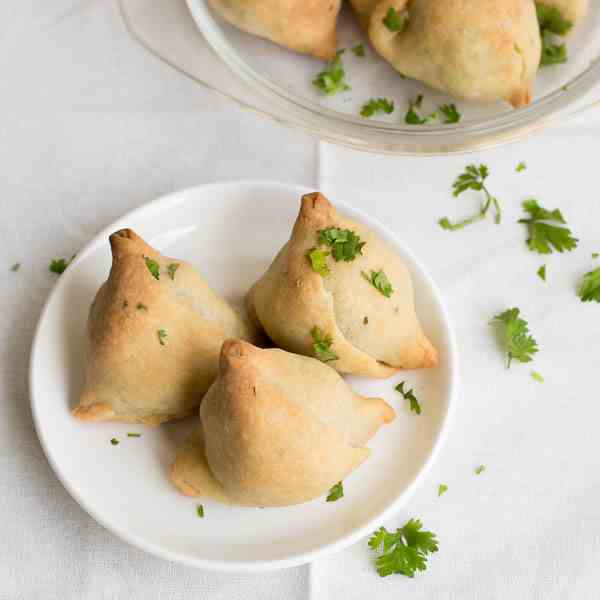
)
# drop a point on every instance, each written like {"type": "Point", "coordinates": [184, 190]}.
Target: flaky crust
{"type": "Point", "coordinates": [483, 50]}
{"type": "Point", "coordinates": [277, 429]}
{"type": "Point", "coordinates": [307, 26]}
{"type": "Point", "coordinates": [372, 335]}
{"type": "Point", "coordinates": [130, 376]}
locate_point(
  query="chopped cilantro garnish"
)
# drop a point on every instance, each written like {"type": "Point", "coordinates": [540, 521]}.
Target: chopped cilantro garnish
{"type": "Point", "coordinates": [395, 21]}
{"type": "Point", "coordinates": [404, 552]}
{"type": "Point", "coordinates": [318, 261]}
{"type": "Point", "coordinates": [442, 489]}
{"type": "Point", "coordinates": [162, 336]}
{"type": "Point", "coordinates": [375, 105]}
{"type": "Point", "coordinates": [133, 434]}
{"type": "Point", "coordinates": [480, 469]}
{"type": "Point", "coordinates": [345, 244]}
{"type": "Point", "coordinates": [542, 272]}
{"type": "Point", "coordinates": [322, 345]}
{"type": "Point", "coordinates": [450, 112]}
{"type": "Point", "coordinates": [520, 345]}
{"type": "Point", "coordinates": [141, 306]}
{"type": "Point", "coordinates": [58, 265]}
{"type": "Point", "coordinates": [543, 236]}
{"type": "Point", "coordinates": [359, 50]}
{"type": "Point", "coordinates": [595, 254]}
{"type": "Point", "coordinates": [412, 117]}
{"type": "Point", "coordinates": [332, 79]}
{"type": "Point", "coordinates": [552, 23]}
{"type": "Point", "coordinates": [590, 286]}
{"type": "Point", "coordinates": [200, 511]}
{"type": "Point", "coordinates": [15, 267]}
{"type": "Point", "coordinates": [114, 441]}
{"type": "Point", "coordinates": [473, 179]}
{"type": "Point", "coordinates": [336, 492]}
{"type": "Point", "coordinates": [521, 167]}
{"type": "Point", "coordinates": [153, 267]}
{"type": "Point", "coordinates": [171, 268]}
{"type": "Point", "coordinates": [379, 280]}
{"type": "Point", "coordinates": [409, 395]}
{"type": "Point", "coordinates": [535, 375]}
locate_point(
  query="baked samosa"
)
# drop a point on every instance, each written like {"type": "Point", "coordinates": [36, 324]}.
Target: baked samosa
{"type": "Point", "coordinates": [482, 50]}
{"type": "Point", "coordinates": [275, 429]}
{"type": "Point", "coordinates": [155, 331]}
{"type": "Point", "coordinates": [571, 10]}
{"type": "Point", "coordinates": [306, 26]}
{"type": "Point", "coordinates": [338, 292]}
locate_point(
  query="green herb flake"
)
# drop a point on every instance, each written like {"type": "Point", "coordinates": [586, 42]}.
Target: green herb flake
{"type": "Point", "coordinates": [480, 469]}
{"type": "Point", "coordinates": [542, 272]}
{"type": "Point", "coordinates": [395, 21]}
{"type": "Point", "coordinates": [114, 441]}
{"type": "Point", "coordinates": [318, 261]}
{"type": "Point", "coordinates": [332, 79]}
{"type": "Point", "coordinates": [519, 344]}
{"type": "Point", "coordinates": [473, 178]}
{"type": "Point", "coordinates": [366, 321]}
{"type": "Point", "coordinates": [379, 280]}
{"type": "Point", "coordinates": [535, 375]}
{"type": "Point", "coordinates": [404, 552]}
{"type": "Point", "coordinates": [412, 117]}
{"type": "Point", "coordinates": [442, 489]}
{"type": "Point", "coordinates": [322, 345]}
{"type": "Point", "coordinates": [153, 267]}
{"type": "Point", "coordinates": [141, 306]}
{"type": "Point", "coordinates": [200, 511]}
{"type": "Point", "coordinates": [522, 166]}
{"type": "Point", "coordinates": [15, 267]}
{"type": "Point", "coordinates": [450, 112]}
{"type": "Point", "coordinates": [134, 435]}
{"type": "Point", "coordinates": [595, 254]}
{"type": "Point", "coordinates": [544, 237]}
{"type": "Point", "coordinates": [59, 265]}
{"type": "Point", "coordinates": [344, 243]}
{"type": "Point", "coordinates": [410, 396]}
{"type": "Point", "coordinates": [336, 492]}
{"type": "Point", "coordinates": [377, 105]}
{"type": "Point", "coordinates": [162, 336]}
{"type": "Point", "coordinates": [590, 287]}
{"type": "Point", "coordinates": [552, 24]}
{"type": "Point", "coordinates": [359, 50]}
{"type": "Point", "coordinates": [171, 269]}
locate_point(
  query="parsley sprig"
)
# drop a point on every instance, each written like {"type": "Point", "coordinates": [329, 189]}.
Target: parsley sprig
{"type": "Point", "coordinates": [412, 117]}
{"type": "Point", "coordinates": [405, 551]}
{"type": "Point", "coordinates": [473, 178]}
{"type": "Point", "coordinates": [322, 345]}
{"type": "Point", "coordinates": [519, 344]}
{"type": "Point", "coordinates": [543, 236]}
{"type": "Point", "coordinates": [332, 79]}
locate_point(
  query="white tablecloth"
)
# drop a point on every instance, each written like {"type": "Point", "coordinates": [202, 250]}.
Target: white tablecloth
{"type": "Point", "coordinates": [92, 127]}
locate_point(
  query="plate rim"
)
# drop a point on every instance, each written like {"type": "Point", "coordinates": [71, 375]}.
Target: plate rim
{"type": "Point", "coordinates": [260, 565]}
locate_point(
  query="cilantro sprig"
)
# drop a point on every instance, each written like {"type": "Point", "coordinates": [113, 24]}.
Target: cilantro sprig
{"type": "Point", "coordinates": [332, 79]}
{"type": "Point", "coordinates": [336, 492]}
{"type": "Point", "coordinates": [379, 280]}
{"type": "Point", "coordinates": [396, 21]}
{"type": "Point", "coordinates": [412, 117]}
{"type": "Point", "coordinates": [405, 551]}
{"type": "Point", "coordinates": [322, 345]}
{"type": "Point", "coordinates": [590, 287]}
{"type": "Point", "coordinates": [59, 265]}
{"type": "Point", "coordinates": [153, 267]}
{"type": "Point", "coordinates": [450, 112]}
{"type": "Point", "coordinates": [519, 344]}
{"type": "Point", "coordinates": [410, 396]}
{"type": "Point", "coordinates": [377, 105]}
{"type": "Point", "coordinates": [473, 178]}
{"type": "Point", "coordinates": [345, 244]}
{"type": "Point", "coordinates": [543, 236]}
{"type": "Point", "coordinates": [552, 23]}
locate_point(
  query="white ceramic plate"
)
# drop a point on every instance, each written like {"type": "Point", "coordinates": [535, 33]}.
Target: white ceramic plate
{"type": "Point", "coordinates": [230, 232]}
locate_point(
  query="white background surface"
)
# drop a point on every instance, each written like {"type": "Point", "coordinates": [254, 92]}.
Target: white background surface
{"type": "Point", "coordinates": [91, 127]}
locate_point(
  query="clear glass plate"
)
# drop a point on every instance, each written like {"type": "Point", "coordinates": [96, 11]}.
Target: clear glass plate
{"type": "Point", "coordinates": [277, 83]}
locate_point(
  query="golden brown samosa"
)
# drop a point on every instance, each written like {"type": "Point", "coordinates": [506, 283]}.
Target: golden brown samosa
{"type": "Point", "coordinates": [275, 429]}
{"type": "Point", "coordinates": [155, 331]}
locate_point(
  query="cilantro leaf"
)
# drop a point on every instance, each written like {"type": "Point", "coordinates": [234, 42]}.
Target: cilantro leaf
{"type": "Point", "coordinates": [473, 178]}
{"type": "Point", "coordinates": [171, 268]}
{"type": "Point", "coordinates": [200, 511]}
{"type": "Point", "coordinates": [535, 375]}
{"type": "Point", "coordinates": [114, 441]}
{"type": "Point", "coordinates": [162, 336]}
{"type": "Point", "coordinates": [345, 244]}
{"type": "Point", "coordinates": [375, 105]}
{"type": "Point", "coordinates": [153, 267]}
{"type": "Point", "coordinates": [542, 272]}
{"type": "Point", "coordinates": [450, 112]}
{"type": "Point", "coordinates": [552, 23]}
{"type": "Point", "coordinates": [15, 267]}
{"type": "Point", "coordinates": [379, 280]}
{"type": "Point", "coordinates": [405, 551]}
{"type": "Point", "coordinates": [521, 167]}
{"type": "Point", "coordinates": [141, 306]}
{"type": "Point", "coordinates": [412, 117]}
{"type": "Point", "coordinates": [409, 395]}
{"type": "Point", "coordinates": [318, 261]}
{"type": "Point", "coordinates": [322, 345]}
{"type": "Point", "coordinates": [520, 345]}
{"type": "Point", "coordinates": [590, 286]}
{"type": "Point", "coordinates": [336, 492]}
{"type": "Point", "coordinates": [359, 50]}
{"type": "Point", "coordinates": [395, 21]}
{"type": "Point", "coordinates": [480, 469]}
{"type": "Point", "coordinates": [332, 79]}
{"type": "Point", "coordinates": [59, 265]}
{"type": "Point", "coordinates": [442, 489]}
{"type": "Point", "coordinates": [543, 236]}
